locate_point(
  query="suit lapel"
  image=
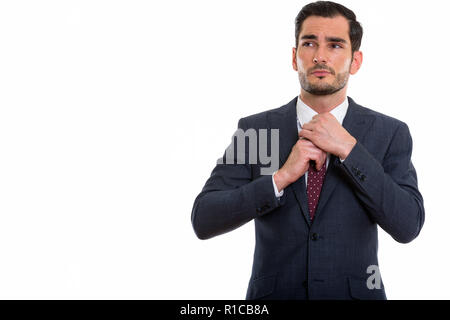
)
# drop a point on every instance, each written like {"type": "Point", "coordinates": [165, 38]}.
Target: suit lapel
{"type": "Point", "coordinates": [286, 121]}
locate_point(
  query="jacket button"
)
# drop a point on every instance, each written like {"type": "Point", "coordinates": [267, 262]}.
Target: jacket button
{"type": "Point", "coordinates": [314, 236]}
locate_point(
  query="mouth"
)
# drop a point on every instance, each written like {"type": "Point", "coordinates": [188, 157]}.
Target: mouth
{"type": "Point", "coordinates": [321, 73]}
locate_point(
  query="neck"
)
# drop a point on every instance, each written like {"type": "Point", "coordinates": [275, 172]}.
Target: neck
{"type": "Point", "coordinates": [323, 104]}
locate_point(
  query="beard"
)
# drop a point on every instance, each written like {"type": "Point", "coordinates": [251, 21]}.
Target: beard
{"type": "Point", "coordinates": [323, 89]}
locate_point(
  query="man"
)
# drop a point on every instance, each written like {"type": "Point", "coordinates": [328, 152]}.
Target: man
{"type": "Point", "coordinates": [344, 170]}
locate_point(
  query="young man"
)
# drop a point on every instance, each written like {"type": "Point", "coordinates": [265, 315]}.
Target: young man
{"type": "Point", "coordinates": [344, 169]}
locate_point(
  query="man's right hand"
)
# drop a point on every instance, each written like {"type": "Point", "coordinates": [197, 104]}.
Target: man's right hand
{"type": "Point", "coordinates": [298, 163]}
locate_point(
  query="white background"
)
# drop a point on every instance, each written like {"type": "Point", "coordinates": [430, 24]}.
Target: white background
{"type": "Point", "coordinates": [113, 113]}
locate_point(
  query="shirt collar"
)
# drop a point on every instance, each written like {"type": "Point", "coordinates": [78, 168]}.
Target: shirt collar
{"type": "Point", "coordinates": [306, 113]}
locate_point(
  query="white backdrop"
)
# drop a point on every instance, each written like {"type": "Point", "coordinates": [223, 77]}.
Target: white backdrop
{"type": "Point", "coordinates": [113, 113]}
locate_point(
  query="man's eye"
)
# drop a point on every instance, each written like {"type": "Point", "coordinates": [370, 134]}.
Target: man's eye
{"type": "Point", "coordinates": [336, 46]}
{"type": "Point", "coordinates": [307, 44]}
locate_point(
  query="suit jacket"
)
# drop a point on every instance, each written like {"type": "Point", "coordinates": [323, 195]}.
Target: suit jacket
{"type": "Point", "coordinates": [333, 256]}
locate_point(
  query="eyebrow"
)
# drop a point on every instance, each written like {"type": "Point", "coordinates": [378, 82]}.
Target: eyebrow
{"type": "Point", "coordinates": [329, 39]}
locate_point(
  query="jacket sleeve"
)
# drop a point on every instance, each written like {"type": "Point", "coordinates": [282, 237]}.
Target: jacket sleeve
{"type": "Point", "coordinates": [389, 190]}
{"type": "Point", "coordinates": [231, 198]}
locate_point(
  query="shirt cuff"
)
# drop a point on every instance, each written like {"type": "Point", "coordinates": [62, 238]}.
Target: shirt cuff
{"type": "Point", "coordinates": [277, 194]}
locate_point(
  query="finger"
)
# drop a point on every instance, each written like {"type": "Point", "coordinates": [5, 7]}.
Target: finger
{"type": "Point", "coordinates": [314, 147]}
{"type": "Point", "coordinates": [305, 143]}
{"type": "Point", "coordinates": [305, 134]}
{"type": "Point", "coordinates": [319, 164]}
{"type": "Point", "coordinates": [308, 126]}
{"type": "Point", "coordinates": [322, 162]}
{"type": "Point", "coordinates": [333, 117]}
{"type": "Point", "coordinates": [315, 156]}
{"type": "Point", "coordinates": [323, 157]}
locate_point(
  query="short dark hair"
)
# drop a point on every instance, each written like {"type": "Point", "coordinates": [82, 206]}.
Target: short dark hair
{"type": "Point", "coordinates": [329, 9]}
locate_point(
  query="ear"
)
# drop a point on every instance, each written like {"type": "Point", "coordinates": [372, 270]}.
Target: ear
{"type": "Point", "coordinates": [356, 62]}
{"type": "Point", "coordinates": [294, 59]}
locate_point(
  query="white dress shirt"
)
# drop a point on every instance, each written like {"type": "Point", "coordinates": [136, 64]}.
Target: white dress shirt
{"type": "Point", "coordinates": [305, 115]}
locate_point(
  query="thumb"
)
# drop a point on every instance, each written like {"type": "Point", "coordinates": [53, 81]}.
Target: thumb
{"type": "Point", "coordinates": [319, 165]}
{"type": "Point", "coordinates": [320, 162]}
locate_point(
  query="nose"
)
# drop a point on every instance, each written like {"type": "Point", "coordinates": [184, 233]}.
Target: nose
{"type": "Point", "coordinates": [319, 56]}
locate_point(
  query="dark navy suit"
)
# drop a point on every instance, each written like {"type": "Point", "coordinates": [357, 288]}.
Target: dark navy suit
{"type": "Point", "coordinates": [327, 258]}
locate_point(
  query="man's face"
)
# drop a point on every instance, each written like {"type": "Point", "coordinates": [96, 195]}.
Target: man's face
{"type": "Point", "coordinates": [323, 58]}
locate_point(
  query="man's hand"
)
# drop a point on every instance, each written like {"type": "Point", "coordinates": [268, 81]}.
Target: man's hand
{"type": "Point", "coordinates": [298, 163]}
{"type": "Point", "coordinates": [327, 133]}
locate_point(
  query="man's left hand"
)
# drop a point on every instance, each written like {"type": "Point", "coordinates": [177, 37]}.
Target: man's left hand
{"type": "Point", "coordinates": [327, 134]}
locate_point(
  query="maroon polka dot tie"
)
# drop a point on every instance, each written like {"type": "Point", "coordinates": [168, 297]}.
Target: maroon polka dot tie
{"type": "Point", "coordinates": [314, 186]}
